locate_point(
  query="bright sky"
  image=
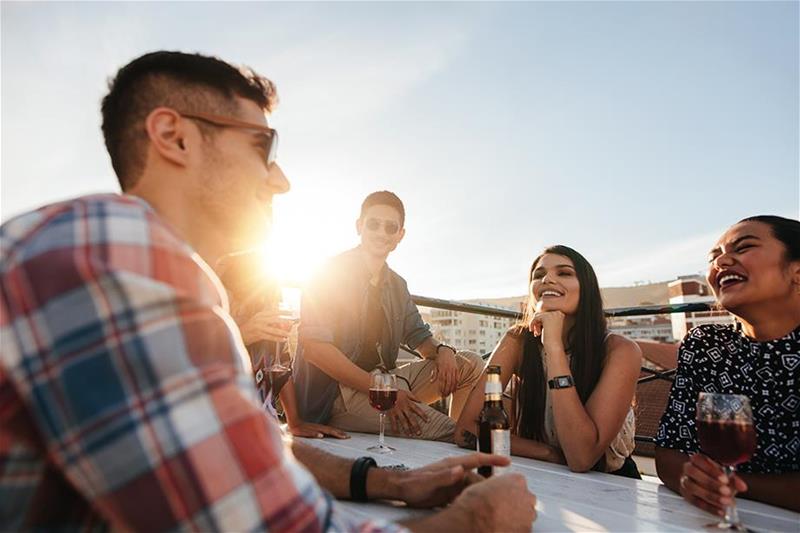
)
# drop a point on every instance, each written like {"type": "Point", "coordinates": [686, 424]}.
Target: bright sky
{"type": "Point", "coordinates": [635, 132]}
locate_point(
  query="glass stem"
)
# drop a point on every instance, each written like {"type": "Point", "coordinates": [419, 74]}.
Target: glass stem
{"type": "Point", "coordinates": [731, 517]}
{"type": "Point", "coordinates": [380, 437]}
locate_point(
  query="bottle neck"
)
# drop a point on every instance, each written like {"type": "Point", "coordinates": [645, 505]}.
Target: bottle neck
{"type": "Point", "coordinates": [493, 392]}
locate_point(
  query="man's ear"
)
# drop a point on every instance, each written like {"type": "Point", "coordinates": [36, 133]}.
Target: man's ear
{"type": "Point", "coordinates": [359, 226]}
{"type": "Point", "coordinates": [167, 131]}
{"type": "Point", "coordinates": [401, 234]}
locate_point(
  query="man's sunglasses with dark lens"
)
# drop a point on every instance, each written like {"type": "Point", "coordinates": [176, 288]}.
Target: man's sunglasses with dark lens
{"type": "Point", "coordinates": [389, 227]}
{"type": "Point", "coordinates": [229, 122]}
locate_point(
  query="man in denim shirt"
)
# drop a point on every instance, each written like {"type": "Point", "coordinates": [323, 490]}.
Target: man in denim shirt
{"type": "Point", "coordinates": [355, 316]}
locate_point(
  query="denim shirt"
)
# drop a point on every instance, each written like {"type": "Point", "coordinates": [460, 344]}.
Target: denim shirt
{"type": "Point", "coordinates": [334, 310]}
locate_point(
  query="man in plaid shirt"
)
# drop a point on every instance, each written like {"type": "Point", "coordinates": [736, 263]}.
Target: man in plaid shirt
{"type": "Point", "coordinates": [126, 399]}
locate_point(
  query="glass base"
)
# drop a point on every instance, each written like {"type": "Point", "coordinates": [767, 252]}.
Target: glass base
{"type": "Point", "coordinates": [381, 448]}
{"type": "Point", "coordinates": [727, 526]}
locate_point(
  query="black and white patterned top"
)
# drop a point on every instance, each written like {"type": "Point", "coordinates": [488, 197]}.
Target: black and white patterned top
{"type": "Point", "coordinates": [719, 358]}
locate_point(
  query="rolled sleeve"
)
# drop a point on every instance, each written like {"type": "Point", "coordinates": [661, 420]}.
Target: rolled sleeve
{"type": "Point", "coordinates": [415, 330]}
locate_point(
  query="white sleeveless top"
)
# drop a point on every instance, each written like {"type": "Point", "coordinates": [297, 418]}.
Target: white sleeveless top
{"type": "Point", "coordinates": [620, 448]}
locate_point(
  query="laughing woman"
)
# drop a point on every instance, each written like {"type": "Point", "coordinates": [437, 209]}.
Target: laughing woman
{"type": "Point", "coordinates": [754, 271]}
{"type": "Point", "coordinates": [576, 380]}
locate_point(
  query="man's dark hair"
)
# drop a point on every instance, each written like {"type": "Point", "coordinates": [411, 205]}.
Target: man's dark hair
{"type": "Point", "coordinates": [384, 198]}
{"type": "Point", "coordinates": [185, 82]}
{"type": "Point", "coordinates": [786, 230]}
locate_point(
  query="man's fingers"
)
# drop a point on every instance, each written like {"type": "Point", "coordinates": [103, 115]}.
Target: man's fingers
{"type": "Point", "coordinates": [333, 432]}
{"type": "Point", "coordinates": [393, 421]}
{"type": "Point", "coordinates": [412, 426]}
{"type": "Point", "coordinates": [419, 411]}
{"type": "Point", "coordinates": [476, 459]}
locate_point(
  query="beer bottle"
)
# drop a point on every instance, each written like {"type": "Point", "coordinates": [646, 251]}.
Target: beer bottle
{"type": "Point", "coordinates": [494, 435]}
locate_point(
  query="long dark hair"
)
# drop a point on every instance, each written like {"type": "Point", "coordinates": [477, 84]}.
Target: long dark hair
{"type": "Point", "coordinates": [586, 343]}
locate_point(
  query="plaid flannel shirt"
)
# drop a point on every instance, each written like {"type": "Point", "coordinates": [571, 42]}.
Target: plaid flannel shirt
{"type": "Point", "coordinates": [126, 400]}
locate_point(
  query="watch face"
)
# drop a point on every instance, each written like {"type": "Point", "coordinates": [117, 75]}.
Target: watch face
{"type": "Point", "coordinates": [563, 381]}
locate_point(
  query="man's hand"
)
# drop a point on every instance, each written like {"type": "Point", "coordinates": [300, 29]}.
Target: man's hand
{"type": "Point", "coordinates": [446, 371]}
{"type": "Point", "coordinates": [703, 483]}
{"type": "Point", "coordinates": [439, 483]}
{"type": "Point", "coordinates": [316, 431]}
{"type": "Point", "coordinates": [501, 503]}
{"type": "Point", "coordinates": [406, 413]}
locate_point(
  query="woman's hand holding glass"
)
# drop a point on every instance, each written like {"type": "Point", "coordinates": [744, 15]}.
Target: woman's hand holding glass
{"type": "Point", "coordinates": [266, 325]}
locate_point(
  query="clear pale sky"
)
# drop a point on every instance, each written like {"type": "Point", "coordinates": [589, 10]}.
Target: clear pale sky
{"type": "Point", "coordinates": [635, 132]}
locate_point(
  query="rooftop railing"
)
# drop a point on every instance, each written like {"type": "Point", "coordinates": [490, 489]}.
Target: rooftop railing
{"type": "Point", "coordinates": [643, 310]}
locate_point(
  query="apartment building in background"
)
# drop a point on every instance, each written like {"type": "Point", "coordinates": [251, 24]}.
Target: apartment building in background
{"type": "Point", "coordinates": [469, 331]}
{"type": "Point", "coordinates": [691, 289]}
{"type": "Point", "coordinates": [481, 333]}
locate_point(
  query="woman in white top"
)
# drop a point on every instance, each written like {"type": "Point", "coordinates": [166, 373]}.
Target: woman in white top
{"type": "Point", "coordinates": [576, 381]}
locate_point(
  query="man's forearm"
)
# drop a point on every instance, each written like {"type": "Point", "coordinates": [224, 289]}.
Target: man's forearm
{"type": "Point", "coordinates": [334, 363]}
{"type": "Point", "coordinates": [330, 471]}
{"type": "Point", "coordinates": [333, 473]}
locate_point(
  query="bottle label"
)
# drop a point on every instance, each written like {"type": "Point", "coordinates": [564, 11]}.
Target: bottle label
{"type": "Point", "coordinates": [501, 445]}
{"type": "Point", "coordinates": [493, 387]}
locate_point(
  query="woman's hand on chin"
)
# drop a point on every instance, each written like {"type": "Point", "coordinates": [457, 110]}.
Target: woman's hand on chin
{"type": "Point", "coordinates": [549, 325]}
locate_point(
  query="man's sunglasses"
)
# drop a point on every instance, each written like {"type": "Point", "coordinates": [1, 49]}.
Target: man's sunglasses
{"type": "Point", "coordinates": [389, 227]}
{"type": "Point", "coordinates": [228, 122]}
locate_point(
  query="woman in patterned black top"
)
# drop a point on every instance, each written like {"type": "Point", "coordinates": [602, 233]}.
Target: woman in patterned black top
{"type": "Point", "coordinates": [754, 271]}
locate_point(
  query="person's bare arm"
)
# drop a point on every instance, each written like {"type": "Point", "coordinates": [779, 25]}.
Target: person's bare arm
{"type": "Point", "coordinates": [585, 431]}
{"type": "Point", "coordinates": [663, 354]}
{"type": "Point", "coordinates": [297, 426]}
{"type": "Point", "coordinates": [507, 354]}
{"type": "Point", "coordinates": [705, 485]}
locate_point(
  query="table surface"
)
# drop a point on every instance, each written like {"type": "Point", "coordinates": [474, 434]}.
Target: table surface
{"type": "Point", "coordinates": [567, 501]}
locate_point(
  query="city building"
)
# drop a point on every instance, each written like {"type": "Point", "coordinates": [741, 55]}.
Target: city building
{"type": "Point", "coordinates": [691, 289]}
{"type": "Point", "coordinates": [469, 331]}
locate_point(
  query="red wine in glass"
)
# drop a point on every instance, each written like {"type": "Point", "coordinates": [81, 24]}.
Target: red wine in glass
{"type": "Point", "coordinates": [728, 442]}
{"type": "Point", "coordinates": [382, 400]}
{"type": "Point", "coordinates": [382, 397]}
{"type": "Point", "coordinates": [277, 376]}
{"type": "Point", "coordinates": [726, 434]}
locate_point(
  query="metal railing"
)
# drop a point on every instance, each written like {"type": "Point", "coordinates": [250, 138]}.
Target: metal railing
{"type": "Point", "coordinates": [644, 310]}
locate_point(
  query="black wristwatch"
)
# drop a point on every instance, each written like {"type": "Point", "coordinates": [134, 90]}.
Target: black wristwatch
{"type": "Point", "coordinates": [444, 345]}
{"type": "Point", "coordinates": [358, 478]}
{"type": "Point", "coordinates": [561, 382]}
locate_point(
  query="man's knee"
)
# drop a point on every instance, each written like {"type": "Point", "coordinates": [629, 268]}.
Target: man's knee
{"type": "Point", "coordinates": [472, 364]}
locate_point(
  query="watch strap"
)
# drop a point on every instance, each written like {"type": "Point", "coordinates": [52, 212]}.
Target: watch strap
{"type": "Point", "coordinates": [358, 478]}
{"type": "Point", "coordinates": [561, 382]}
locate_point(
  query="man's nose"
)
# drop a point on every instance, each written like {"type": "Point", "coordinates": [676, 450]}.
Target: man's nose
{"type": "Point", "coordinates": [277, 180]}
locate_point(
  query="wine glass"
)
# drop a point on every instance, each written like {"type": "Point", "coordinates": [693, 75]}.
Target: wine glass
{"type": "Point", "coordinates": [279, 365]}
{"type": "Point", "coordinates": [726, 433]}
{"type": "Point", "coordinates": [382, 396]}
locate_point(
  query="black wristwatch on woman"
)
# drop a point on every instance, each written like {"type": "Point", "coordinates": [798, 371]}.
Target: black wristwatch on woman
{"type": "Point", "coordinates": [561, 382]}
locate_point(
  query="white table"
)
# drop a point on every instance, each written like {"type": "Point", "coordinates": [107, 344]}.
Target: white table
{"type": "Point", "coordinates": [566, 501]}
